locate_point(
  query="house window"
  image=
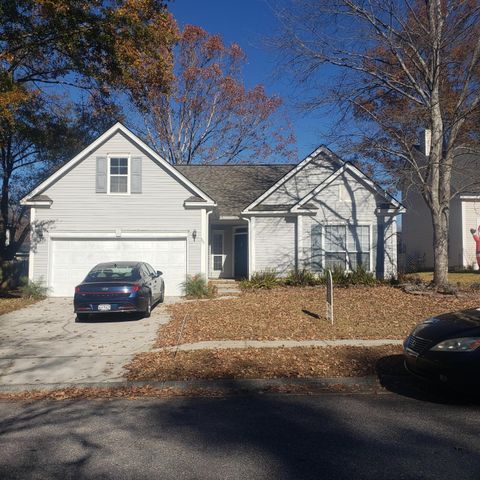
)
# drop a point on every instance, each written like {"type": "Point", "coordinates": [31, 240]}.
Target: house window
{"type": "Point", "coordinates": [118, 175]}
{"type": "Point", "coordinates": [343, 246]}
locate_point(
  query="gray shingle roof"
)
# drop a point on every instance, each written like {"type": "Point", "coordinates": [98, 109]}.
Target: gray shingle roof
{"type": "Point", "coordinates": [234, 187]}
{"type": "Point", "coordinates": [41, 198]}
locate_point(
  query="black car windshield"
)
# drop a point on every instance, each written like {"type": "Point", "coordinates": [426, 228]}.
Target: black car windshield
{"type": "Point", "coordinates": [113, 273]}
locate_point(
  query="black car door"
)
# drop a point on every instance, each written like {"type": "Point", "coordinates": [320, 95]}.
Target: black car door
{"type": "Point", "coordinates": [154, 283]}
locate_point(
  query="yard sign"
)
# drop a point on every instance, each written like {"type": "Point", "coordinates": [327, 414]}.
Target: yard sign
{"type": "Point", "coordinates": [329, 296]}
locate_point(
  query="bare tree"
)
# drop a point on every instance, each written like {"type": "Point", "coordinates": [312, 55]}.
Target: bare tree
{"type": "Point", "coordinates": [393, 68]}
{"type": "Point", "coordinates": [210, 116]}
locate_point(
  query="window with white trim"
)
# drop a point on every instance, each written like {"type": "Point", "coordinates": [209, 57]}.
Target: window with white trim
{"type": "Point", "coordinates": [118, 175]}
{"type": "Point", "coordinates": [344, 246]}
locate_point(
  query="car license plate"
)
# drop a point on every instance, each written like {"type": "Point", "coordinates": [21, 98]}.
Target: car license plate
{"type": "Point", "coordinates": [104, 307]}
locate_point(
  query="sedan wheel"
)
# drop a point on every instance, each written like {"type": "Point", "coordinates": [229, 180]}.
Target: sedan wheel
{"type": "Point", "coordinates": [82, 317]}
{"type": "Point", "coordinates": [148, 310]}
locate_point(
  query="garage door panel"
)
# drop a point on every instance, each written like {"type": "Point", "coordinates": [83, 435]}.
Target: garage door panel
{"type": "Point", "coordinates": [72, 259]}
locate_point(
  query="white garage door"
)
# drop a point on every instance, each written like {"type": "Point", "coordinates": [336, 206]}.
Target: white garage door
{"type": "Point", "coordinates": [72, 259]}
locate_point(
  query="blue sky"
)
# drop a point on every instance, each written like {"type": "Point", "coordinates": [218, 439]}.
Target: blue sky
{"type": "Point", "coordinates": [249, 23]}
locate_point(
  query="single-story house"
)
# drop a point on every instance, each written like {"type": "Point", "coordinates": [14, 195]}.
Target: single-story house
{"type": "Point", "coordinates": [119, 200]}
{"type": "Point", "coordinates": [417, 229]}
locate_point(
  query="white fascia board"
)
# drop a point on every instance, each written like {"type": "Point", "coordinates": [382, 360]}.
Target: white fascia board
{"type": "Point", "coordinates": [318, 189]}
{"type": "Point", "coordinates": [294, 171]}
{"type": "Point", "coordinates": [118, 127]}
{"type": "Point", "coordinates": [269, 213]}
{"type": "Point", "coordinates": [32, 203]}
{"type": "Point", "coordinates": [390, 211]}
{"type": "Point", "coordinates": [199, 204]}
{"type": "Point", "coordinates": [469, 197]}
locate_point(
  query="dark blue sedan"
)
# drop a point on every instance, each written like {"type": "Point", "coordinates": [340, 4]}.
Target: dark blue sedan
{"type": "Point", "coordinates": [119, 287]}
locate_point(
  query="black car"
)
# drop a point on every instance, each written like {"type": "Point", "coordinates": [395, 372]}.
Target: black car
{"type": "Point", "coordinates": [119, 287]}
{"type": "Point", "coordinates": [446, 349]}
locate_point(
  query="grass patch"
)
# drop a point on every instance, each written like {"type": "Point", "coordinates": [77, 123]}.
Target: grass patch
{"type": "Point", "coordinates": [259, 363]}
{"type": "Point", "coordinates": [463, 278]}
{"type": "Point", "coordinates": [299, 314]}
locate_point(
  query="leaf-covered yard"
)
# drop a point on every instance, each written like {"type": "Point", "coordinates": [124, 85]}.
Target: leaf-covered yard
{"type": "Point", "coordinates": [299, 314]}
{"type": "Point", "coordinates": [259, 363]}
{"type": "Point", "coordinates": [9, 304]}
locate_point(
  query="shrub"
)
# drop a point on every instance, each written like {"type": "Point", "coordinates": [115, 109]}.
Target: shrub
{"type": "Point", "coordinates": [360, 276]}
{"type": "Point", "coordinates": [301, 278]}
{"type": "Point", "coordinates": [195, 286]}
{"type": "Point", "coordinates": [266, 279]}
{"type": "Point", "coordinates": [31, 289]}
{"type": "Point", "coordinates": [343, 278]}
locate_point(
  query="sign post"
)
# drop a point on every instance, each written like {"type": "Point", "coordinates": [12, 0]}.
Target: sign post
{"type": "Point", "coordinates": [329, 296]}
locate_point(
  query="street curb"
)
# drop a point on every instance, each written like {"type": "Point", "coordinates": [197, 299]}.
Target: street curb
{"type": "Point", "coordinates": [244, 385]}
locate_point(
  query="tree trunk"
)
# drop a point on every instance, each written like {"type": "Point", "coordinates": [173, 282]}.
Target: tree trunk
{"type": "Point", "coordinates": [440, 248]}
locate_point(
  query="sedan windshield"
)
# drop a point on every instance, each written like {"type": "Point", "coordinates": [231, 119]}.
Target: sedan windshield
{"type": "Point", "coordinates": [113, 273]}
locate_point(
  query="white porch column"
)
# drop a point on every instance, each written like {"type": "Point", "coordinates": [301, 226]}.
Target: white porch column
{"type": "Point", "coordinates": [300, 241]}
{"type": "Point", "coordinates": [251, 246]}
{"type": "Point", "coordinates": [204, 239]}
{"type": "Point", "coordinates": [31, 253]}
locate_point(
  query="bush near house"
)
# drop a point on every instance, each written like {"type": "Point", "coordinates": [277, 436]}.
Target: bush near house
{"type": "Point", "coordinates": [33, 290]}
{"type": "Point", "coordinates": [265, 279]}
{"type": "Point", "coordinates": [196, 286]}
{"type": "Point", "coordinates": [268, 279]}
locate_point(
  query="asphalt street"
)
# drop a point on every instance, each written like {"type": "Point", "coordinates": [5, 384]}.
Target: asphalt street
{"type": "Point", "coordinates": [331, 436]}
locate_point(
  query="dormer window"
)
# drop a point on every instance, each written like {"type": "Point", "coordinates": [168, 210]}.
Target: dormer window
{"type": "Point", "coordinates": [118, 175]}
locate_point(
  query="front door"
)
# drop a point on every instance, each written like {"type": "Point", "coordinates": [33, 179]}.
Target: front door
{"type": "Point", "coordinates": [241, 255]}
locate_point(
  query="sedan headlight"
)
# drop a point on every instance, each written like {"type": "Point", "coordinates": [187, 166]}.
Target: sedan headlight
{"type": "Point", "coordinates": [457, 345]}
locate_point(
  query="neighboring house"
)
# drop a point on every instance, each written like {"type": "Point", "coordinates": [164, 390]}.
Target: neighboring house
{"type": "Point", "coordinates": [417, 229]}
{"type": "Point", "coordinates": [119, 200]}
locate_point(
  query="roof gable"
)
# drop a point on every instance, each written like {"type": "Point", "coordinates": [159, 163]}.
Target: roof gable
{"type": "Point", "coordinates": [117, 128]}
{"type": "Point", "coordinates": [321, 154]}
{"type": "Point", "coordinates": [357, 174]}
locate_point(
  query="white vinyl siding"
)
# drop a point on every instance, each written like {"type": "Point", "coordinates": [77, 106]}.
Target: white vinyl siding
{"type": "Point", "coordinates": [355, 206]}
{"type": "Point", "coordinates": [77, 207]}
{"type": "Point", "coordinates": [309, 177]}
{"type": "Point", "coordinates": [275, 244]}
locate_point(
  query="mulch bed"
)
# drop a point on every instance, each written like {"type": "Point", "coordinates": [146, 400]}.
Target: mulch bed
{"type": "Point", "coordinates": [259, 363]}
{"type": "Point", "coordinates": [299, 314]}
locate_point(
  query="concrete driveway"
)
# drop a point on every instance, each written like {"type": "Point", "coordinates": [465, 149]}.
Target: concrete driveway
{"type": "Point", "coordinates": [42, 344]}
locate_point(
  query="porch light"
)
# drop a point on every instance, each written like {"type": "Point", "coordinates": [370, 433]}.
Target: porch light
{"type": "Point", "coordinates": [194, 235]}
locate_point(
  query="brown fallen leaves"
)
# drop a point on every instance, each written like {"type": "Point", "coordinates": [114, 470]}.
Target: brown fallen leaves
{"type": "Point", "coordinates": [299, 314]}
{"type": "Point", "coordinates": [88, 393]}
{"type": "Point", "coordinates": [259, 363]}
{"type": "Point", "coordinates": [10, 304]}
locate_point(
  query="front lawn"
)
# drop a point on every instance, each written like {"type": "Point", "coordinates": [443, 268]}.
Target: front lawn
{"type": "Point", "coordinates": [464, 278]}
{"type": "Point", "coordinates": [299, 362]}
{"type": "Point", "coordinates": [299, 314]}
